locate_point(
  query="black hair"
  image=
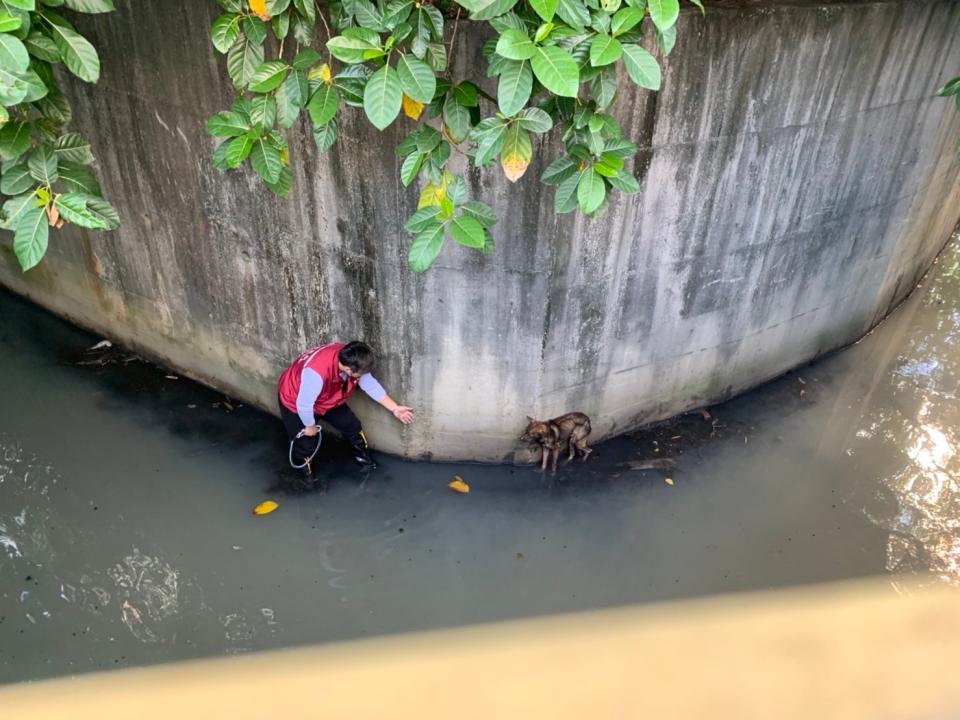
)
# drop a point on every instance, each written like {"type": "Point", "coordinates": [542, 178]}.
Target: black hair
{"type": "Point", "coordinates": [357, 356]}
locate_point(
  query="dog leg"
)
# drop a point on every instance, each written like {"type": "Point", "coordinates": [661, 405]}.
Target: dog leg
{"type": "Point", "coordinates": [556, 454]}
{"type": "Point", "coordinates": [571, 444]}
{"type": "Point", "coordinates": [543, 464]}
{"type": "Point", "coordinates": [582, 446]}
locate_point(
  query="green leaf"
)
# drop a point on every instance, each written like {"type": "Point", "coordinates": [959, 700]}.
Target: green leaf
{"type": "Point", "coordinates": [254, 28]}
{"type": "Point", "coordinates": [73, 208]}
{"type": "Point", "coordinates": [268, 75]}
{"type": "Point", "coordinates": [325, 135]}
{"type": "Point", "coordinates": [699, 4]}
{"type": "Point", "coordinates": [516, 83]}
{"type": "Point", "coordinates": [307, 9]}
{"type": "Point", "coordinates": [281, 28]}
{"type": "Point", "coordinates": [243, 59]}
{"type": "Point", "coordinates": [9, 22]}
{"type": "Point", "coordinates": [78, 178]}
{"type": "Point", "coordinates": [565, 197]}
{"type": "Point", "coordinates": [350, 49]}
{"type": "Point", "coordinates": [559, 170]}
{"type": "Point", "coordinates": [238, 149]}
{"type": "Point", "coordinates": [22, 4]}
{"type": "Point", "coordinates": [416, 78]}
{"type": "Point", "coordinates": [263, 111]}
{"type": "Point", "coordinates": [456, 118]}
{"type": "Point", "coordinates": [574, 13]}
{"type": "Point", "coordinates": [609, 165]}
{"type": "Point", "coordinates": [666, 40]}
{"type": "Point", "coordinates": [36, 88]}
{"type": "Point", "coordinates": [14, 208]}
{"type": "Point", "coordinates": [642, 67]}
{"type": "Point", "coordinates": [265, 160]}
{"type": "Point", "coordinates": [73, 147]}
{"type": "Point", "coordinates": [14, 57]}
{"type": "Point", "coordinates": [78, 54]}
{"type": "Point", "coordinates": [422, 219]}
{"type": "Point", "coordinates": [546, 9]}
{"type": "Point", "coordinates": [382, 97]}
{"type": "Point", "coordinates": [625, 182]}
{"type": "Point", "coordinates": [603, 87]}
{"type": "Point", "coordinates": [481, 212]}
{"type": "Point", "coordinates": [30, 237]}
{"type": "Point", "coordinates": [951, 88]}
{"type": "Point", "coordinates": [42, 47]}
{"type": "Point", "coordinates": [305, 58]}
{"type": "Point", "coordinates": [15, 180]}
{"type": "Point", "coordinates": [556, 71]}
{"type": "Point", "coordinates": [90, 6]}
{"type": "Point", "coordinates": [620, 147]}
{"type": "Point", "coordinates": [493, 9]}
{"type": "Point", "coordinates": [323, 105]}
{"type": "Point", "coordinates": [535, 120]}
{"type": "Point", "coordinates": [227, 124]}
{"type": "Point", "coordinates": [43, 165]}
{"type": "Point", "coordinates": [220, 156]}
{"type": "Point", "coordinates": [467, 231]}
{"type": "Point", "coordinates": [490, 145]}
{"type": "Point", "coordinates": [664, 13]}
{"type": "Point", "coordinates": [590, 191]}
{"type": "Point", "coordinates": [604, 50]}
{"type": "Point", "coordinates": [410, 168]}
{"type": "Point", "coordinates": [465, 93]}
{"type": "Point", "coordinates": [515, 45]}
{"type": "Point", "coordinates": [425, 247]}
{"type": "Point", "coordinates": [225, 31]}
{"type": "Point", "coordinates": [283, 184]}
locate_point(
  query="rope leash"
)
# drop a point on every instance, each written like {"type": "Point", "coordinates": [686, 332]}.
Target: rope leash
{"type": "Point", "coordinates": [307, 461]}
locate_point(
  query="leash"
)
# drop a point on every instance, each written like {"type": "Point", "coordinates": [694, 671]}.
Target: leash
{"type": "Point", "coordinates": [306, 462]}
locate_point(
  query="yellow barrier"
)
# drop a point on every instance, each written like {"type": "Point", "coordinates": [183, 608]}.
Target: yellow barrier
{"type": "Point", "coordinates": [853, 650]}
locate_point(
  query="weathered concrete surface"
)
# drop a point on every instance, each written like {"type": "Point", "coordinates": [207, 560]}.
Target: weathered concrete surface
{"type": "Point", "coordinates": [797, 178]}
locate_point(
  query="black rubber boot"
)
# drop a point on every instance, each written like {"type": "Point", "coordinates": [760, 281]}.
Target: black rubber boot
{"type": "Point", "coordinates": [361, 453]}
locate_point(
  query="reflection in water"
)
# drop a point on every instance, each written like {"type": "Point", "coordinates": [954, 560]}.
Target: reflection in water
{"type": "Point", "coordinates": [920, 419]}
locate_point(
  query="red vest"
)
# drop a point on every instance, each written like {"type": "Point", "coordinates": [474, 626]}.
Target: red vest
{"type": "Point", "coordinates": [324, 361]}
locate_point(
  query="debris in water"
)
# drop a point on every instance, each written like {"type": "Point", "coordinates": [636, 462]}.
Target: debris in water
{"type": "Point", "coordinates": [267, 506]}
{"type": "Point", "coordinates": [459, 485]}
{"type": "Point", "coordinates": [171, 377]}
{"type": "Point", "coordinates": [519, 556]}
{"type": "Point", "coordinates": [802, 393]}
{"type": "Point", "coordinates": [654, 464]}
{"type": "Point", "coordinates": [101, 345]}
{"type": "Point", "coordinates": [706, 415]}
{"type": "Point", "coordinates": [226, 403]}
{"type": "Point", "coordinates": [668, 481]}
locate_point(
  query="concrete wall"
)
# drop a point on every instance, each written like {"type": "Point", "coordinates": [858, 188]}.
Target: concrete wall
{"type": "Point", "coordinates": [797, 178]}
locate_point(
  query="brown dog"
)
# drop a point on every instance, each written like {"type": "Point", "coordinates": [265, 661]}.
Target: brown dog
{"type": "Point", "coordinates": [570, 431]}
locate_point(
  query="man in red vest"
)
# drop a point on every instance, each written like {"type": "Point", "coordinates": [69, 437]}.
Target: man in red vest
{"type": "Point", "coordinates": [317, 385]}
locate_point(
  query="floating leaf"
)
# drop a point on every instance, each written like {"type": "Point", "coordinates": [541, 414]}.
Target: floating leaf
{"type": "Point", "coordinates": [459, 485]}
{"type": "Point", "coordinates": [267, 506]}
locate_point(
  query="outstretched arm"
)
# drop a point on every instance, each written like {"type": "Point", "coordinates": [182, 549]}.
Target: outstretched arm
{"type": "Point", "coordinates": [400, 412]}
{"type": "Point", "coordinates": [369, 384]}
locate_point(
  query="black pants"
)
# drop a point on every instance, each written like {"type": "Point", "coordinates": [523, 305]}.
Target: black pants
{"type": "Point", "coordinates": [341, 418]}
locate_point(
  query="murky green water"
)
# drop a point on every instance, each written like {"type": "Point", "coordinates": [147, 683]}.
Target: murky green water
{"type": "Point", "coordinates": [126, 535]}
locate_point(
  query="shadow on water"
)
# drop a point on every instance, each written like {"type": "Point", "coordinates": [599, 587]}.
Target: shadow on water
{"type": "Point", "coordinates": [126, 533]}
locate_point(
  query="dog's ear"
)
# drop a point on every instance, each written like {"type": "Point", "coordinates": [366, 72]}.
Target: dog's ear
{"type": "Point", "coordinates": [530, 419]}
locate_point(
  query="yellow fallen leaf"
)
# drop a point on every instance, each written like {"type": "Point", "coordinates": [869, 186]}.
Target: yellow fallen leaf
{"type": "Point", "coordinates": [259, 7]}
{"type": "Point", "coordinates": [267, 506]}
{"type": "Point", "coordinates": [459, 485]}
{"type": "Point", "coordinates": [668, 481]}
{"type": "Point", "coordinates": [411, 108]}
{"type": "Point", "coordinates": [325, 74]}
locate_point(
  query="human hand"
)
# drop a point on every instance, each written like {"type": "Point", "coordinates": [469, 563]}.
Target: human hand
{"type": "Point", "coordinates": [311, 431]}
{"type": "Point", "coordinates": [403, 414]}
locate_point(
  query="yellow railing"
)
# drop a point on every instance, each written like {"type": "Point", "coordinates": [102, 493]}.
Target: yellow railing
{"type": "Point", "coordinates": [852, 650]}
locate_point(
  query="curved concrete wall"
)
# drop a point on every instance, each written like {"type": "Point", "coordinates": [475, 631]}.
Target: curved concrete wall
{"type": "Point", "coordinates": [797, 179]}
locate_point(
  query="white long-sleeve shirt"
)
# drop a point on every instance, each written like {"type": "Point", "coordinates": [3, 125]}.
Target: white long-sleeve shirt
{"type": "Point", "coordinates": [311, 384]}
